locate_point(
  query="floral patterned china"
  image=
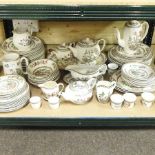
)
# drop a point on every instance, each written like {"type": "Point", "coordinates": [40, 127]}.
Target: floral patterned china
{"type": "Point", "coordinates": [14, 93]}
{"type": "Point", "coordinates": [134, 32]}
{"type": "Point", "coordinates": [85, 71]}
{"type": "Point", "coordinates": [88, 50]}
{"type": "Point", "coordinates": [142, 53]}
{"type": "Point", "coordinates": [41, 71]}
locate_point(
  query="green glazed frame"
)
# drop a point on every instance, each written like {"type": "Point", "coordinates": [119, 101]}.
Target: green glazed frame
{"type": "Point", "coordinates": [73, 13]}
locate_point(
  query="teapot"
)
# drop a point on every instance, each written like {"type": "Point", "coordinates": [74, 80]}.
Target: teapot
{"type": "Point", "coordinates": [63, 56]}
{"type": "Point", "coordinates": [88, 50]}
{"type": "Point", "coordinates": [79, 92]}
{"type": "Point", "coordinates": [133, 33]}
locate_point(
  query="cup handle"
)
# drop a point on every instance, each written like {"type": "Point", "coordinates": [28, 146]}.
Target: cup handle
{"type": "Point", "coordinates": [61, 86]}
{"type": "Point", "coordinates": [146, 25]}
{"type": "Point", "coordinates": [101, 43]}
{"type": "Point", "coordinates": [26, 64]}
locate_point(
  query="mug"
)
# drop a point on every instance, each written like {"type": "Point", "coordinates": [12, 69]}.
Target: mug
{"type": "Point", "coordinates": [22, 38]}
{"type": "Point", "coordinates": [51, 88]}
{"type": "Point", "coordinates": [12, 64]}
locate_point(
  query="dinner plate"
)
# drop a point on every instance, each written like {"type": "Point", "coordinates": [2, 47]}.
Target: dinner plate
{"type": "Point", "coordinates": [122, 86]}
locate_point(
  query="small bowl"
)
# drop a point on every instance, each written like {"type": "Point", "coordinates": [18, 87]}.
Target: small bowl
{"type": "Point", "coordinates": [129, 99]}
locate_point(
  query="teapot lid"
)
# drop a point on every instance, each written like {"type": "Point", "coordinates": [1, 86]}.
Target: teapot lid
{"type": "Point", "coordinates": [86, 42]}
{"type": "Point", "coordinates": [133, 23]}
{"type": "Point", "coordinates": [78, 86]}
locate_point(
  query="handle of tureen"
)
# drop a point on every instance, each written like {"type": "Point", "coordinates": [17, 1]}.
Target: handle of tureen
{"type": "Point", "coordinates": [101, 43]}
{"type": "Point", "coordinates": [24, 63]}
{"type": "Point", "coordinates": [146, 26]}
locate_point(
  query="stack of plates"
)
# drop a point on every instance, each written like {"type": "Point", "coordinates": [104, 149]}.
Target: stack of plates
{"type": "Point", "coordinates": [35, 51]}
{"type": "Point", "coordinates": [135, 77]}
{"type": "Point", "coordinates": [14, 93]}
{"type": "Point", "coordinates": [141, 53]}
{"type": "Point", "coordinates": [41, 71]}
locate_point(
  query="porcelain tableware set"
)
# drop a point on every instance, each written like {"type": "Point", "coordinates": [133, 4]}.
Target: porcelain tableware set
{"type": "Point", "coordinates": [79, 92]}
{"type": "Point", "coordinates": [134, 77]}
{"type": "Point", "coordinates": [130, 47]}
{"type": "Point", "coordinates": [86, 51]}
{"type": "Point", "coordinates": [41, 71]}
{"type": "Point", "coordinates": [14, 93]}
{"type": "Point", "coordinates": [24, 44]}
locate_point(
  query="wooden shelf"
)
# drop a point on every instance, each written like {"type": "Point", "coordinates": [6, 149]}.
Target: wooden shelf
{"type": "Point", "coordinates": [93, 109]}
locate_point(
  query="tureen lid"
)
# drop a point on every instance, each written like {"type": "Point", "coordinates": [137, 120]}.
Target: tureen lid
{"type": "Point", "coordinates": [132, 23]}
{"type": "Point", "coordinates": [86, 42]}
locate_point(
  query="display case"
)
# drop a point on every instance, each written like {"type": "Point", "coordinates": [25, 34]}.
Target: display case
{"type": "Point", "coordinates": [67, 21]}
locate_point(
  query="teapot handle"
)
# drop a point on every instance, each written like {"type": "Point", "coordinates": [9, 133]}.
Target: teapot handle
{"type": "Point", "coordinates": [101, 43]}
{"type": "Point", "coordinates": [146, 25]}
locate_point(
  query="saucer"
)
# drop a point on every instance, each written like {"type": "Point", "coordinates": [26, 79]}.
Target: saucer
{"type": "Point", "coordinates": [8, 45]}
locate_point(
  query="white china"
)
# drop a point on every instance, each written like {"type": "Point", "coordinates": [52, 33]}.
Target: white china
{"type": "Point", "coordinates": [79, 92]}
{"type": "Point", "coordinates": [41, 71]}
{"type": "Point", "coordinates": [112, 67]}
{"type": "Point", "coordinates": [54, 102]}
{"type": "Point", "coordinates": [147, 99]}
{"type": "Point", "coordinates": [104, 90]}
{"type": "Point", "coordinates": [85, 71]}
{"type": "Point", "coordinates": [88, 50]}
{"type": "Point", "coordinates": [62, 55]}
{"type": "Point", "coordinates": [35, 51]}
{"type": "Point", "coordinates": [142, 53]}
{"type": "Point", "coordinates": [51, 88]}
{"type": "Point", "coordinates": [137, 71]}
{"type": "Point", "coordinates": [129, 100]}
{"type": "Point", "coordinates": [116, 101]}
{"type": "Point", "coordinates": [123, 86]}
{"type": "Point", "coordinates": [35, 102]}
{"type": "Point", "coordinates": [12, 64]}
{"type": "Point", "coordinates": [14, 93]}
{"type": "Point", "coordinates": [22, 38]}
{"type": "Point", "coordinates": [133, 33]}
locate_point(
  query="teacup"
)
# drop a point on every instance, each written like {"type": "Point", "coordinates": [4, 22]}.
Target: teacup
{"type": "Point", "coordinates": [22, 38]}
{"type": "Point", "coordinates": [147, 99]}
{"type": "Point", "coordinates": [104, 89]}
{"type": "Point", "coordinates": [116, 101]}
{"type": "Point", "coordinates": [51, 88]}
{"type": "Point", "coordinates": [129, 99]}
{"type": "Point", "coordinates": [35, 102]}
{"type": "Point", "coordinates": [12, 64]}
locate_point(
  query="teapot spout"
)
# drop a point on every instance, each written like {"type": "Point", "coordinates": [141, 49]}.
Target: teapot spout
{"type": "Point", "coordinates": [121, 42]}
